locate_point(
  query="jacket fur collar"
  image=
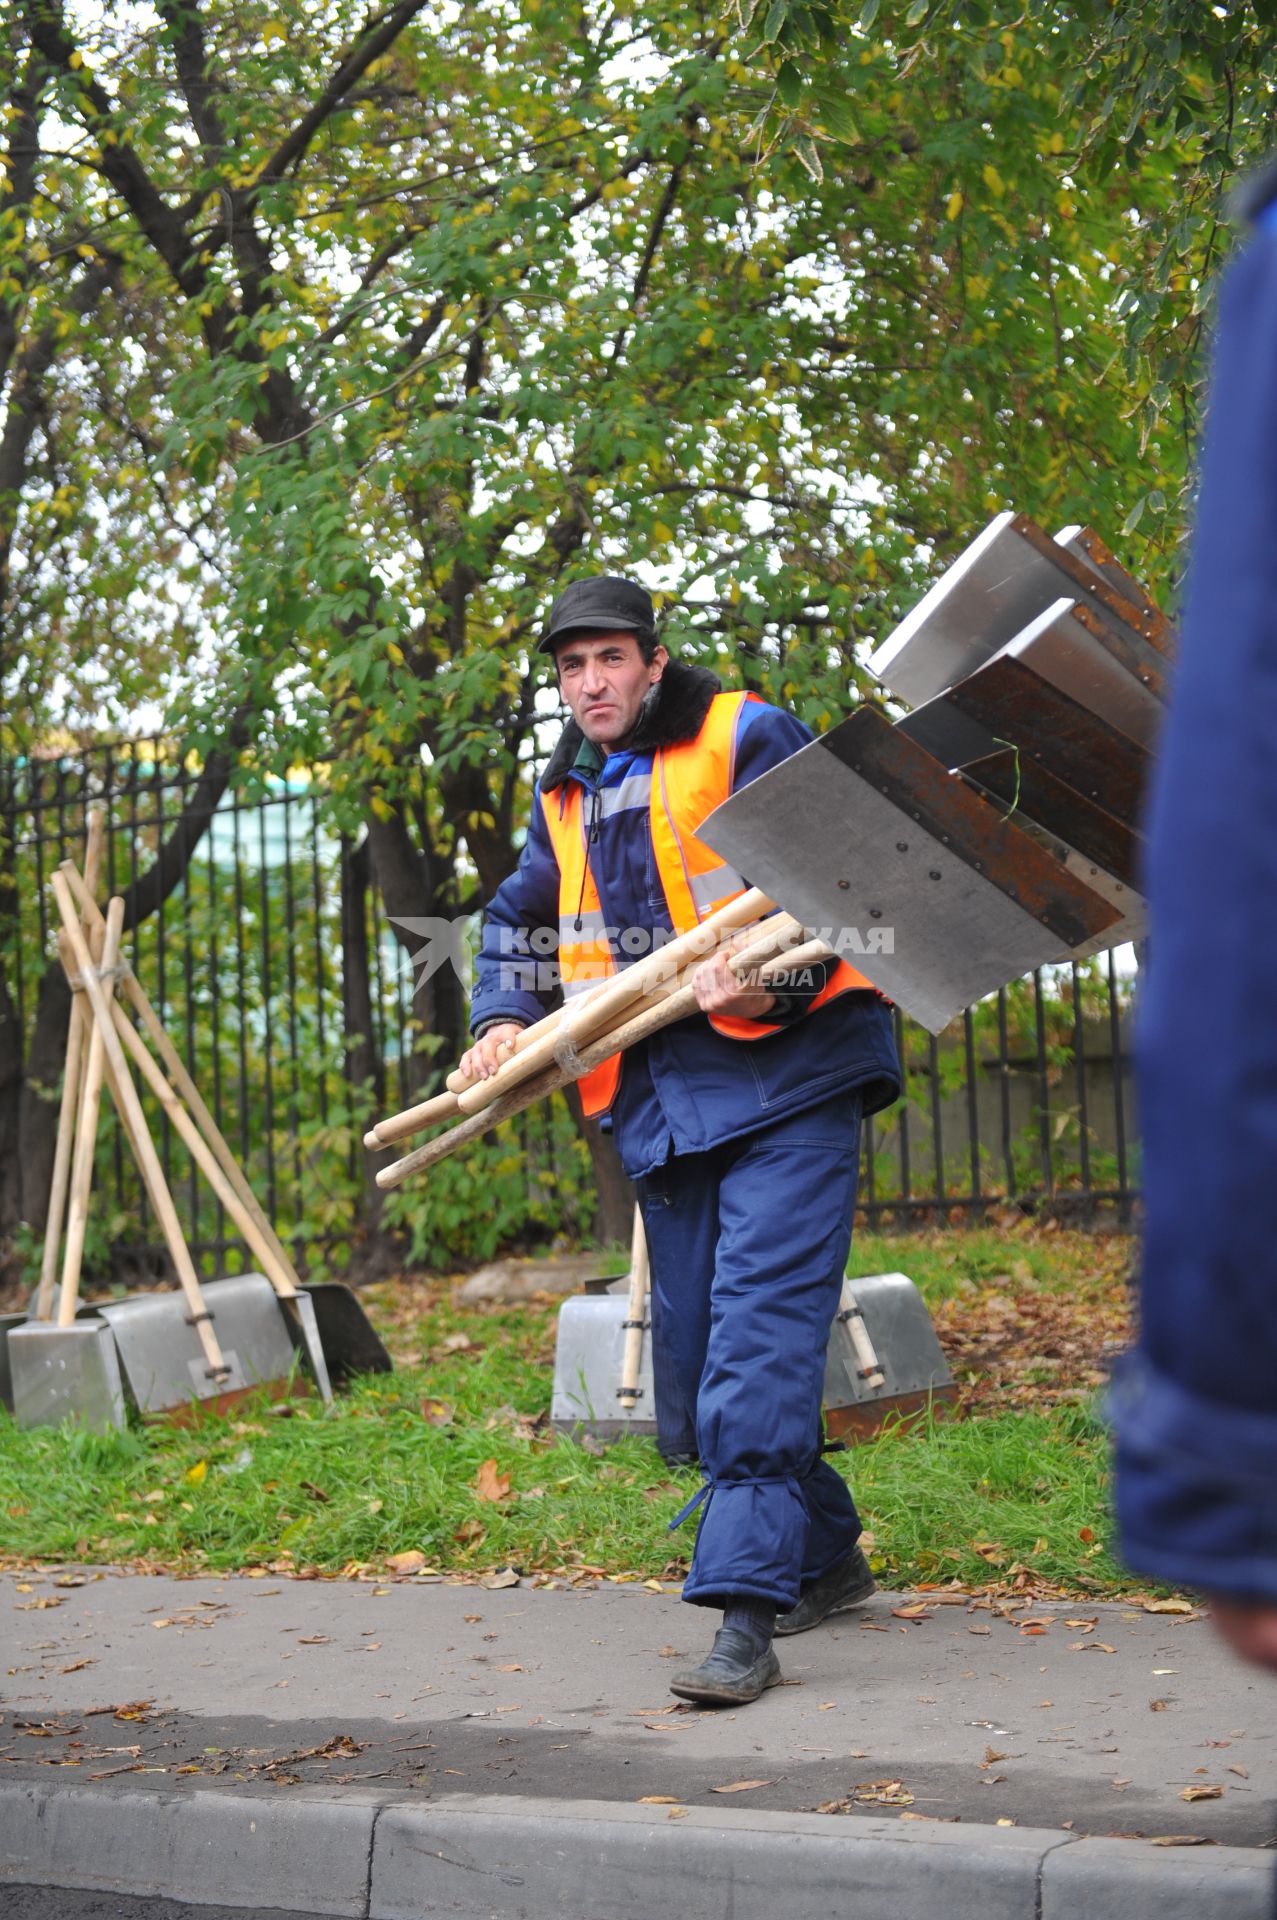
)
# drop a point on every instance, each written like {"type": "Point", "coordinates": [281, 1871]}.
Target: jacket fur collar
{"type": "Point", "coordinates": [677, 715]}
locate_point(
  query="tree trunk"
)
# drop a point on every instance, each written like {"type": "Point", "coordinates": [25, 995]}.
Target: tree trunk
{"type": "Point", "coordinates": [40, 1096]}
{"type": "Point", "coordinates": [614, 1192]}
{"type": "Point", "coordinates": [363, 1062]}
{"type": "Point", "coordinates": [10, 1110]}
{"type": "Point", "coordinates": [419, 900]}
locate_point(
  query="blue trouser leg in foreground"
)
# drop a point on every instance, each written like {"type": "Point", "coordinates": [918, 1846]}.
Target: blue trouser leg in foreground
{"type": "Point", "coordinates": [748, 1246]}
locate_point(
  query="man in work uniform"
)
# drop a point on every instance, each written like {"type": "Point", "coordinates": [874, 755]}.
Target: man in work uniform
{"type": "Point", "coordinates": [740, 1126]}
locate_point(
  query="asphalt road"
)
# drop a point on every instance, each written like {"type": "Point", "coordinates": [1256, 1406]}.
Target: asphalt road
{"type": "Point", "coordinates": [59, 1903]}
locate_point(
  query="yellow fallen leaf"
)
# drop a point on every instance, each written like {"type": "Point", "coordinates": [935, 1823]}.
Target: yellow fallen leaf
{"type": "Point", "coordinates": [407, 1562]}
{"type": "Point", "coordinates": [742, 1786]}
{"type": "Point", "coordinates": [196, 1473]}
{"type": "Point", "coordinates": [659, 1800]}
{"type": "Point", "coordinates": [1169, 1606]}
{"type": "Point", "coordinates": [1201, 1793]}
{"type": "Point", "coordinates": [490, 1483]}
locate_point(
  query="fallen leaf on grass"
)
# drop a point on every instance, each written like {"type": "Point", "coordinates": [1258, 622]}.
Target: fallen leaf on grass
{"type": "Point", "coordinates": [316, 1493]}
{"type": "Point", "coordinates": [1201, 1793]}
{"type": "Point", "coordinates": [437, 1412]}
{"type": "Point", "coordinates": [742, 1786]}
{"type": "Point", "coordinates": [490, 1483]}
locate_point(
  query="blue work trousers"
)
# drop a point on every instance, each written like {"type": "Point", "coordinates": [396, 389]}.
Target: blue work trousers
{"type": "Point", "coordinates": [748, 1245]}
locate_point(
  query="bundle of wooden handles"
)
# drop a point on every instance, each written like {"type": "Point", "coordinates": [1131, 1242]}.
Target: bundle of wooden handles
{"type": "Point", "coordinates": [102, 1044]}
{"type": "Point", "coordinates": [593, 1026]}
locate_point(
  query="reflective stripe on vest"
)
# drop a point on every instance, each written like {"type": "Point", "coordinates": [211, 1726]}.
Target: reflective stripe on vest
{"type": "Point", "coordinates": [687, 782]}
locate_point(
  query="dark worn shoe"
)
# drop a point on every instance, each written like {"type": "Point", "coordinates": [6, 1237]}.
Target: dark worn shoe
{"type": "Point", "coordinates": [845, 1585]}
{"type": "Point", "coordinates": [731, 1674]}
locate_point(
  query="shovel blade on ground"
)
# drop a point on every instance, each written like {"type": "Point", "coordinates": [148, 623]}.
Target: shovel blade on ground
{"type": "Point", "coordinates": [915, 1373]}
{"type": "Point", "coordinates": [66, 1374]}
{"type": "Point", "coordinates": [164, 1365]}
{"type": "Point", "coordinates": [587, 1369]}
{"type": "Point", "coordinates": [350, 1343]}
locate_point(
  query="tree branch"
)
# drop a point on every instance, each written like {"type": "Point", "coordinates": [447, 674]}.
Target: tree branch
{"type": "Point", "coordinates": [292, 148]}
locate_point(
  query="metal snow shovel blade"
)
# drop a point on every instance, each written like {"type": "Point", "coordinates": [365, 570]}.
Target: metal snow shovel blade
{"type": "Point", "coordinates": [66, 1373]}
{"type": "Point", "coordinates": [884, 1359]}
{"type": "Point", "coordinates": [1008, 575]}
{"type": "Point", "coordinates": [603, 1354]}
{"type": "Point", "coordinates": [913, 879]}
{"type": "Point", "coordinates": [342, 1330]}
{"type": "Point", "coordinates": [588, 1357]}
{"type": "Point", "coordinates": [164, 1365]}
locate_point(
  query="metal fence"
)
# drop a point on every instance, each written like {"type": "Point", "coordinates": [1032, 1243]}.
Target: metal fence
{"type": "Point", "coordinates": [1026, 1098]}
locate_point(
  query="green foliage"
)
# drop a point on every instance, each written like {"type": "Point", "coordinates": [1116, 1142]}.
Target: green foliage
{"type": "Point", "coordinates": [527, 1183]}
{"type": "Point", "coordinates": [1072, 168]}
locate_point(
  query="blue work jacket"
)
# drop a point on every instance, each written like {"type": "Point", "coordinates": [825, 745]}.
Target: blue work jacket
{"type": "Point", "coordinates": [1196, 1406]}
{"type": "Point", "coordinates": [687, 1088]}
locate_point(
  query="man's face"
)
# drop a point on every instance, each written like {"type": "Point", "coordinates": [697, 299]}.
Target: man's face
{"type": "Point", "coordinates": [603, 677]}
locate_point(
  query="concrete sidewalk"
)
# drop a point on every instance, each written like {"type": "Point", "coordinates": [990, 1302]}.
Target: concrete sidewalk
{"type": "Point", "coordinates": [340, 1748]}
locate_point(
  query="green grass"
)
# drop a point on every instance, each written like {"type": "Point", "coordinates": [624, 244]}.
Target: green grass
{"type": "Point", "coordinates": [394, 1465]}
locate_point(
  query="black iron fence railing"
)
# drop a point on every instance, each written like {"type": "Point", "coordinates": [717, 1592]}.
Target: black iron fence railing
{"type": "Point", "coordinates": [1026, 1098]}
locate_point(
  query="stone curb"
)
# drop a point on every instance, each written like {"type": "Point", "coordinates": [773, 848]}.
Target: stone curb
{"type": "Point", "coordinates": [383, 1857]}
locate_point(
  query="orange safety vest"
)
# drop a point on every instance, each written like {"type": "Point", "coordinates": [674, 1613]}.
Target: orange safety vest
{"type": "Point", "coordinates": [686, 783]}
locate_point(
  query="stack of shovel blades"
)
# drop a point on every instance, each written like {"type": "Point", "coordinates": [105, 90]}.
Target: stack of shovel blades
{"type": "Point", "coordinates": [995, 828]}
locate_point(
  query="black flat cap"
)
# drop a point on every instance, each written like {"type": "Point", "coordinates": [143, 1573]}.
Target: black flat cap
{"type": "Point", "coordinates": [604, 604]}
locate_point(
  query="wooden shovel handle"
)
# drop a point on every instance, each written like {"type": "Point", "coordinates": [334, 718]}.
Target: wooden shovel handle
{"type": "Point", "coordinates": [635, 1315]}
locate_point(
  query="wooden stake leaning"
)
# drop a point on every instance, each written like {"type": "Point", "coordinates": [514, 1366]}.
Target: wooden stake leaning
{"type": "Point", "coordinates": [201, 1152]}
{"type": "Point", "coordinates": [75, 1054]}
{"type": "Point", "coordinates": [107, 1040]}
{"type": "Point", "coordinates": [86, 1121]}
{"type": "Point", "coordinates": [287, 1284]}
